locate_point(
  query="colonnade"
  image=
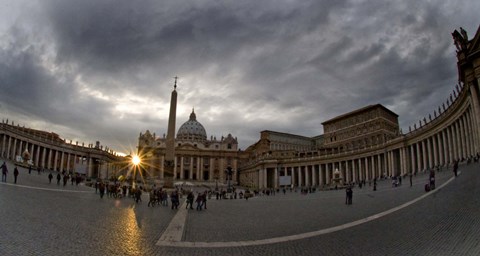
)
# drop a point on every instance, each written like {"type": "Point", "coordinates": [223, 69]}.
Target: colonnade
{"type": "Point", "coordinates": [22, 146]}
{"type": "Point", "coordinates": [433, 147]}
{"type": "Point", "coordinates": [451, 136]}
{"type": "Point", "coordinates": [194, 167]}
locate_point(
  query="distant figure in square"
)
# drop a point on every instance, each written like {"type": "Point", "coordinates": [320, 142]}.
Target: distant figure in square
{"type": "Point", "coordinates": [50, 177]}
{"type": "Point", "coordinates": [15, 175]}
{"type": "Point", "coordinates": [349, 194]}
{"type": "Point", "coordinates": [59, 177]}
{"type": "Point", "coordinates": [455, 168]}
{"type": "Point", "coordinates": [4, 172]}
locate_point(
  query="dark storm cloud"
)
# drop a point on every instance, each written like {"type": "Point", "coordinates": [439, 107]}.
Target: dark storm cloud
{"type": "Point", "coordinates": [32, 91]}
{"type": "Point", "coordinates": [105, 68]}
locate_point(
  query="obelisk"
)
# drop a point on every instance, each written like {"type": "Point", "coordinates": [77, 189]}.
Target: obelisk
{"type": "Point", "coordinates": [170, 150]}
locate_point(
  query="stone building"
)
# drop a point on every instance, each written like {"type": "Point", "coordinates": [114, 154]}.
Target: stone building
{"type": "Point", "coordinates": [46, 150]}
{"type": "Point", "coordinates": [197, 158]}
{"type": "Point", "coordinates": [365, 127]}
{"type": "Point", "coordinates": [366, 144]}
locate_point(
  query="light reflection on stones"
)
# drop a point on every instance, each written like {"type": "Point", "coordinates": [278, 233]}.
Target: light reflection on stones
{"type": "Point", "coordinates": [132, 235]}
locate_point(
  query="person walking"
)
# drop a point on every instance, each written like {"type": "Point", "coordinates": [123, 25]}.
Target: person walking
{"type": "Point", "coordinates": [190, 198]}
{"type": "Point", "coordinates": [199, 202]}
{"type": "Point", "coordinates": [411, 179]}
{"type": "Point", "coordinates": [50, 177]}
{"type": "Point", "coordinates": [15, 175]}
{"type": "Point", "coordinates": [29, 169]}
{"type": "Point", "coordinates": [4, 172]}
{"type": "Point", "coordinates": [59, 177]}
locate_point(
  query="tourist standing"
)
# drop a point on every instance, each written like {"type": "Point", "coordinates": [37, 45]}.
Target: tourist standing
{"type": "Point", "coordinates": [29, 169]}
{"type": "Point", "coordinates": [59, 177]}
{"type": "Point", "coordinates": [199, 202]}
{"type": "Point", "coordinates": [349, 193]}
{"type": "Point", "coordinates": [15, 175]}
{"type": "Point", "coordinates": [101, 188]}
{"type": "Point", "coordinates": [50, 177]}
{"type": "Point", "coordinates": [4, 172]}
{"type": "Point", "coordinates": [174, 199]}
{"type": "Point", "coordinates": [204, 200]}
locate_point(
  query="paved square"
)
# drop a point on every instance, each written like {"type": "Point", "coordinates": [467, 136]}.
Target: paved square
{"type": "Point", "coordinates": [39, 218]}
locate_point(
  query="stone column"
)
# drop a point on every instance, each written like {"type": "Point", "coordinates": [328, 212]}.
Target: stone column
{"type": "Point", "coordinates": [62, 159]}
{"type": "Point", "coordinates": [89, 167]}
{"type": "Point", "coordinates": [211, 169]}
{"type": "Point", "coordinates": [327, 173]}
{"type": "Point", "coordinates": [200, 169]}
{"type": "Point", "coordinates": [275, 178]}
{"type": "Point", "coordinates": [55, 163]}
{"type": "Point", "coordinates": [373, 167]}
{"type": "Point", "coordinates": [446, 155]}
{"type": "Point", "coordinates": [190, 169]}
{"type": "Point", "coordinates": [307, 176]}
{"type": "Point", "coordinates": [37, 156]}
{"type": "Point", "coordinates": [464, 136]}
{"type": "Point", "coordinates": [68, 162]}
{"type": "Point", "coordinates": [367, 169]}
{"type": "Point", "coordinates": [9, 148]}
{"type": "Point", "coordinates": [222, 170]}
{"type": "Point", "coordinates": [448, 134]}
{"type": "Point", "coordinates": [4, 138]}
{"type": "Point", "coordinates": [300, 176]}
{"type": "Point", "coordinates": [260, 178]}
{"type": "Point", "coordinates": [14, 149]}
{"type": "Point", "coordinates": [461, 136]}
{"type": "Point", "coordinates": [175, 169]}
{"type": "Point", "coordinates": [458, 142]}
{"type": "Point", "coordinates": [182, 160]}
{"type": "Point", "coordinates": [44, 156]}
{"type": "Point", "coordinates": [314, 175]}
{"type": "Point", "coordinates": [471, 132]}
{"type": "Point", "coordinates": [49, 161]}
{"type": "Point", "coordinates": [320, 173]}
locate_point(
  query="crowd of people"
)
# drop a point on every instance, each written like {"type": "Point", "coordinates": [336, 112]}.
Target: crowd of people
{"type": "Point", "coordinates": [159, 196]}
{"type": "Point", "coordinates": [75, 178]}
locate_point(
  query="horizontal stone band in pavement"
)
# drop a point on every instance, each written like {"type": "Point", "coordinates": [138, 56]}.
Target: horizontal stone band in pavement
{"type": "Point", "coordinates": [172, 236]}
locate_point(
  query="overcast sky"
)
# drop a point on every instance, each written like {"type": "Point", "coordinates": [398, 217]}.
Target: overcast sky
{"type": "Point", "coordinates": [103, 70]}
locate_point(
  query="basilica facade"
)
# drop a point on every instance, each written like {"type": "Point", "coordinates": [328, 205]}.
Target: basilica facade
{"type": "Point", "coordinates": [197, 158]}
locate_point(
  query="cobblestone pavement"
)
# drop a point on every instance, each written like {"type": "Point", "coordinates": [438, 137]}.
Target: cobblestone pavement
{"type": "Point", "coordinates": [38, 218]}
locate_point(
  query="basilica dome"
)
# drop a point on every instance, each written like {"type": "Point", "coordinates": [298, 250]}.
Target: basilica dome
{"type": "Point", "coordinates": [192, 130]}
